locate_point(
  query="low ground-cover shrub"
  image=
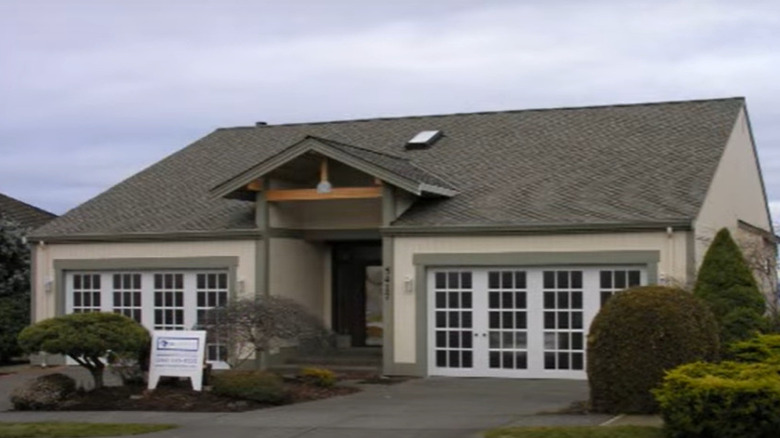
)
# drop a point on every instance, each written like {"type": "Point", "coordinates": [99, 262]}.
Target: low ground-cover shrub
{"type": "Point", "coordinates": [318, 377]}
{"type": "Point", "coordinates": [43, 392]}
{"type": "Point", "coordinates": [259, 386]}
{"type": "Point", "coordinates": [725, 400]}
{"type": "Point", "coordinates": [639, 335]}
{"type": "Point", "coordinates": [762, 348]}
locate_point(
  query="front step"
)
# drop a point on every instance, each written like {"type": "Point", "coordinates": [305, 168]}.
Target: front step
{"type": "Point", "coordinates": [361, 361]}
{"type": "Point", "coordinates": [346, 360]}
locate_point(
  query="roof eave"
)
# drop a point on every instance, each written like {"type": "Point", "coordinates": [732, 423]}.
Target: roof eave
{"type": "Point", "coordinates": [236, 234]}
{"type": "Point", "coordinates": [424, 188]}
{"type": "Point", "coordinates": [676, 225]}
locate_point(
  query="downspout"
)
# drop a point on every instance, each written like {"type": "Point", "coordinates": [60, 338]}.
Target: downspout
{"type": "Point", "coordinates": [44, 275]}
{"type": "Point", "coordinates": [670, 248]}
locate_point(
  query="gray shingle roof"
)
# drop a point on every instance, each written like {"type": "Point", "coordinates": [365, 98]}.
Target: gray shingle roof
{"type": "Point", "coordinates": [591, 165]}
{"type": "Point", "coordinates": [24, 214]}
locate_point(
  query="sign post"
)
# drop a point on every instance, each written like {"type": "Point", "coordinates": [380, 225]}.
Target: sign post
{"type": "Point", "coordinates": [177, 353]}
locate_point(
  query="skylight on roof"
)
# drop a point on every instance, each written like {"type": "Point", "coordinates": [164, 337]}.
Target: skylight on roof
{"type": "Point", "coordinates": [423, 139]}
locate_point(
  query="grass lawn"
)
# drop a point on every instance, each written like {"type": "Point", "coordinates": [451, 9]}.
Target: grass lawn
{"type": "Point", "coordinates": [577, 432]}
{"type": "Point", "coordinates": [65, 430]}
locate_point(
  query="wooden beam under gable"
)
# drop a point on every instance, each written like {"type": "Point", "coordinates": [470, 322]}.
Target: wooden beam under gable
{"type": "Point", "coordinates": [281, 195]}
{"type": "Point", "coordinates": [255, 186]}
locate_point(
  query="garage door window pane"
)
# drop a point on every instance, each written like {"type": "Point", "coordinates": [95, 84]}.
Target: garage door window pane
{"type": "Point", "coordinates": [454, 319]}
{"type": "Point", "coordinates": [127, 295]}
{"type": "Point", "coordinates": [86, 293]}
{"type": "Point", "coordinates": [507, 319]}
{"type": "Point", "coordinates": [441, 339]}
{"type": "Point", "coordinates": [616, 280]}
{"type": "Point", "coordinates": [563, 293]}
{"type": "Point", "coordinates": [169, 302]}
{"type": "Point", "coordinates": [441, 280]}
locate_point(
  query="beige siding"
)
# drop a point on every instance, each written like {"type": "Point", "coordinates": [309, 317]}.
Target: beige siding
{"type": "Point", "coordinates": [45, 304]}
{"type": "Point", "coordinates": [327, 215]}
{"type": "Point", "coordinates": [297, 270]}
{"type": "Point", "coordinates": [672, 266]}
{"type": "Point", "coordinates": [735, 192]}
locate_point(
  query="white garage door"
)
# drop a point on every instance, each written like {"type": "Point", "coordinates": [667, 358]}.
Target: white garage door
{"type": "Point", "coordinates": [159, 300]}
{"type": "Point", "coordinates": [517, 322]}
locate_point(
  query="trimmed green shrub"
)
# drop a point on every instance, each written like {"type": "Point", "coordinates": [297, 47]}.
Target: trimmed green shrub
{"type": "Point", "coordinates": [637, 336]}
{"type": "Point", "coordinates": [761, 349]}
{"type": "Point", "coordinates": [44, 392]}
{"type": "Point", "coordinates": [86, 338]}
{"type": "Point", "coordinates": [259, 386]}
{"type": "Point", "coordinates": [318, 377]}
{"type": "Point", "coordinates": [726, 284]}
{"type": "Point", "coordinates": [725, 400]}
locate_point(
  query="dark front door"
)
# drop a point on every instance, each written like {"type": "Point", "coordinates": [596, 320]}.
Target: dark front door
{"type": "Point", "coordinates": [351, 262]}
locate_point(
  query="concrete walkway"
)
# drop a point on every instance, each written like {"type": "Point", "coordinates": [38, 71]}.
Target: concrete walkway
{"type": "Point", "coordinates": [434, 407]}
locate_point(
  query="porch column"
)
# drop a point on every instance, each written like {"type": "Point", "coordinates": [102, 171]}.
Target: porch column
{"type": "Point", "coordinates": [388, 215]}
{"type": "Point", "coordinates": [262, 244]}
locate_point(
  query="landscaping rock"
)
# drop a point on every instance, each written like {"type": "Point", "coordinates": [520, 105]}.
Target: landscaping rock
{"type": "Point", "coordinates": [44, 392]}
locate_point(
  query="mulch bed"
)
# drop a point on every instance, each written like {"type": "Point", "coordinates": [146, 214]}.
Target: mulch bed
{"type": "Point", "coordinates": [370, 378]}
{"type": "Point", "coordinates": [383, 380]}
{"type": "Point", "coordinates": [184, 399]}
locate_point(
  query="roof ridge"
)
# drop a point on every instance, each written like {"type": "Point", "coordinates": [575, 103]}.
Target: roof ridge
{"type": "Point", "coordinates": [341, 143]}
{"type": "Point", "coordinates": [478, 113]}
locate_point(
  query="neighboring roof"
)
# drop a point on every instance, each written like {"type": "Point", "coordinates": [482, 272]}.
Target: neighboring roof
{"type": "Point", "coordinates": [620, 164]}
{"type": "Point", "coordinates": [391, 168]}
{"type": "Point", "coordinates": [24, 214]}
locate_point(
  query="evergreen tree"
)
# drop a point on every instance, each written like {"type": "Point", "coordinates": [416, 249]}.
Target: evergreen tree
{"type": "Point", "coordinates": [14, 287]}
{"type": "Point", "coordinates": [726, 283]}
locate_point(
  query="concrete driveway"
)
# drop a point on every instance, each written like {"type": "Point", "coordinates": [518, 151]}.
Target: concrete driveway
{"type": "Point", "coordinates": [434, 407]}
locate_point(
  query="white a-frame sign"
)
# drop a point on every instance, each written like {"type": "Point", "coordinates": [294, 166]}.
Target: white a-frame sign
{"type": "Point", "coordinates": [178, 354]}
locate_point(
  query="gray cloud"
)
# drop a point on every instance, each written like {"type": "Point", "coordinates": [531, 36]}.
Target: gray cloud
{"type": "Point", "coordinates": [94, 91]}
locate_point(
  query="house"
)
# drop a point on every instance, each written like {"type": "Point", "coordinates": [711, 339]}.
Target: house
{"type": "Point", "coordinates": [22, 213]}
{"type": "Point", "coordinates": [475, 244]}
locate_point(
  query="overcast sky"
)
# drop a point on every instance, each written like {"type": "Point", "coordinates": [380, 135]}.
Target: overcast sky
{"type": "Point", "coordinates": [93, 91]}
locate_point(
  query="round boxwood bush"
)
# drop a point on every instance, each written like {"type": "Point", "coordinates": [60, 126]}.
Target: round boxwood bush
{"type": "Point", "coordinates": [259, 386]}
{"type": "Point", "coordinates": [639, 335]}
{"type": "Point", "coordinates": [724, 400]}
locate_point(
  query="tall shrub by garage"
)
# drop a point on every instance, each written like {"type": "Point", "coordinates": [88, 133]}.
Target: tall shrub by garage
{"type": "Point", "coordinates": [14, 287]}
{"type": "Point", "coordinates": [639, 335]}
{"type": "Point", "coordinates": [726, 284]}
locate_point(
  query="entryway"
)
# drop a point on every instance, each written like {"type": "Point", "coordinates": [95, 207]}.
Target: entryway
{"type": "Point", "coordinates": [357, 293]}
{"type": "Point", "coordinates": [517, 322]}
